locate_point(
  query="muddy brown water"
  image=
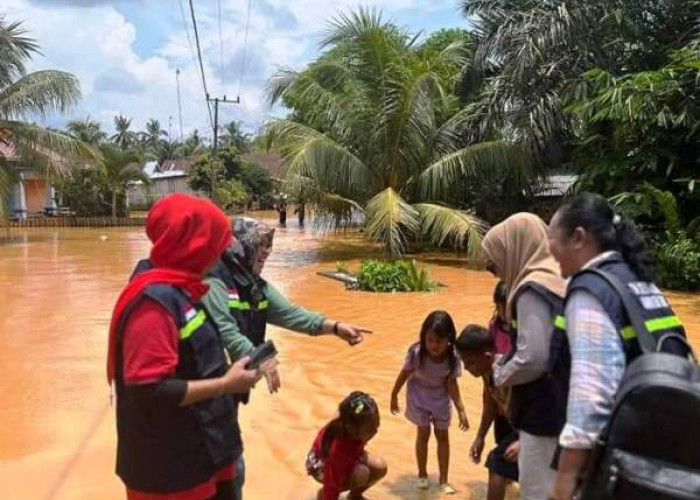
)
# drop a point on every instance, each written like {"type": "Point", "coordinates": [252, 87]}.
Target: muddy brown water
{"type": "Point", "coordinates": [57, 431]}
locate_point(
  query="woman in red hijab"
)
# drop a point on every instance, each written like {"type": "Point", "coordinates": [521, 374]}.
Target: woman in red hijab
{"type": "Point", "coordinates": [177, 426]}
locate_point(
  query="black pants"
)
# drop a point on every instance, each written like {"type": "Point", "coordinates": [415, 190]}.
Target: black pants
{"type": "Point", "coordinates": [505, 436]}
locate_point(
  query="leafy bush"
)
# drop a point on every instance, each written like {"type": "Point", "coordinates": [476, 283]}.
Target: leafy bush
{"type": "Point", "coordinates": [394, 276]}
{"type": "Point", "coordinates": [87, 194]}
{"type": "Point", "coordinates": [231, 194]}
{"type": "Point", "coordinates": [677, 262]}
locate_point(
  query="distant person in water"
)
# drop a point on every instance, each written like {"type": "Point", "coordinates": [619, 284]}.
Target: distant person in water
{"type": "Point", "coordinates": [431, 370]}
{"type": "Point", "coordinates": [338, 459]}
{"type": "Point", "coordinates": [241, 304]}
{"type": "Point", "coordinates": [301, 213]}
{"type": "Point", "coordinates": [282, 209]}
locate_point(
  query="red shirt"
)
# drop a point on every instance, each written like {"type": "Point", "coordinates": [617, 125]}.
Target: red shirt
{"type": "Point", "coordinates": [342, 457]}
{"type": "Point", "coordinates": [150, 343]}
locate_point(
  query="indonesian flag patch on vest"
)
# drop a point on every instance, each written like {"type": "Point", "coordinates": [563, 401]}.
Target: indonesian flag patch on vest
{"type": "Point", "coordinates": [190, 312]}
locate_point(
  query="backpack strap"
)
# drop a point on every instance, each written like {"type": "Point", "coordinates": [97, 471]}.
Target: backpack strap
{"type": "Point", "coordinates": [646, 339]}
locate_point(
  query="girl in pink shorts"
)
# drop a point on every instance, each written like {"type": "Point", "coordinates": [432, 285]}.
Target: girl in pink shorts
{"type": "Point", "coordinates": [431, 370]}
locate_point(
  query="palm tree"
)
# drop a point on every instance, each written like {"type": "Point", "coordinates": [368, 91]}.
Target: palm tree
{"type": "Point", "coordinates": [123, 137]}
{"type": "Point", "coordinates": [536, 48]}
{"type": "Point", "coordinates": [88, 131]}
{"type": "Point", "coordinates": [153, 133]}
{"type": "Point", "coordinates": [23, 96]}
{"type": "Point", "coordinates": [376, 130]}
{"type": "Point", "coordinates": [165, 150]}
{"type": "Point", "coordinates": [233, 136]}
{"type": "Point", "coordinates": [119, 168]}
{"type": "Point", "coordinates": [192, 145]}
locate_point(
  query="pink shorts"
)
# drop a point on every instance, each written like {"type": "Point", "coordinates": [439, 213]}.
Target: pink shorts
{"type": "Point", "coordinates": [422, 417]}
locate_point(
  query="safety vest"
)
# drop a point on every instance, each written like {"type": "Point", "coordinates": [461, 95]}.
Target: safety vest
{"type": "Point", "coordinates": [539, 407]}
{"type": "Point", "coordinates": [173, 449]}
{"type": "Point", "coordinates": [651, 304]}
{"type": "Point", "coordinates": [250, 315]}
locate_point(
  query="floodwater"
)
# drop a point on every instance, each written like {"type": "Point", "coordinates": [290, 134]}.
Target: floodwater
{"type": "Point", "coordinates": [57, 431]}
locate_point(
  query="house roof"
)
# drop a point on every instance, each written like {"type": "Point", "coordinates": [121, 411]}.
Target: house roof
{"type": "Point", "coordinates": [557, 185]}
{"type": "Point", "coordinates": [178, 164]}
{"type": "Point", "coordinates": [273, 163]}
{"type": "Point", "coordinates": [173, 167]}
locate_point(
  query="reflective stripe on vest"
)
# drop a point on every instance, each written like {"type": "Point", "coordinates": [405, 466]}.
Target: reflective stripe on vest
{"type": "Point", "coordinates": [240, 305]}
{"type": "Point", "coordinates": [628, 332]}
{"type": "Point", "coordinates": [194, 323]}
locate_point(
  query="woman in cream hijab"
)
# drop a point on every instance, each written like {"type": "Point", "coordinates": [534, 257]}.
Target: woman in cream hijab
{"type": "Point", "coordinates": [517, 252]}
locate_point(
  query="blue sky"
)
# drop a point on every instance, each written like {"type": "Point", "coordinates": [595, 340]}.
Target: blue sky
{"type": "Point", "coordinates": [126, 52]}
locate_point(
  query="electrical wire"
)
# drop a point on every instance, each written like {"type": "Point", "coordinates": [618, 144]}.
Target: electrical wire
{"type": "Point", "coordinates": [221, 46]}
{"type": "Point", "coordinates": [192, 52]}
{"type": "Point", "coordinates": [245, 46]}
{"type": "Point", "coordinates": [201, 63]}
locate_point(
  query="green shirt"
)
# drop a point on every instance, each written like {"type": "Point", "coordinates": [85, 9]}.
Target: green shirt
{"type": "Point", "coordinates": [280, 312]}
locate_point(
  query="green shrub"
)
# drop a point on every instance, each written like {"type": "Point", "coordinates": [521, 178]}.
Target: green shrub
{"type": "Point", "coordinates": [342, 267]}
{"type": "Point", "coordinates": [677, 262]}
{"type": "Point", "coordinates": [85, 192]}
{"type": "Point", "coordinates": [393, 276]}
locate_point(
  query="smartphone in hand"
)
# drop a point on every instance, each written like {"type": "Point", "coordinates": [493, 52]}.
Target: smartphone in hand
{"type": "Point", "coordinates": [261, 354]}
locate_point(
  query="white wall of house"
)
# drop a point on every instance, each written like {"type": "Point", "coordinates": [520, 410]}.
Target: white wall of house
{"type": "Point", "coordinates": [141, 194]}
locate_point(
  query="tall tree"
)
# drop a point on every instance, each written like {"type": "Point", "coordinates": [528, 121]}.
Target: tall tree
{"type": "Point", "coordinates": [119, 168]}
{"type": "Point", "coordinates": [192, 145]}
{"type": "Point", "coordinates": [87, 130]}
{"type": "Point", "coordinates": [23, 96]}
{"type": "Point", "coordinates": [534, 48]}
{"type": "Point", "coordinates": [123, 136]}
{"type": "Point", "coordinates": [376, 130]}
{"type": "Point", "coordinates": [153, 134]}
{"type": "Point", "coordinates": [233, 135]}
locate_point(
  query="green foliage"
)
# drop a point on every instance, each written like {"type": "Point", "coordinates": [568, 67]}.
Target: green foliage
{"type": "Point", "coordinates": [23, 98]}
{"type": "Point", "coordinates": [394, 276]}
{"type": "Point", "coordinates": [205, 174]}
{"type": "Point", "coordinates": [88, 131]}
{"type": "Point", "coordinates": [376, 130]}
{"type": "Point", "coordinates": [232, 135]}
{"type": "Point", "coordinates": [227, 179]}
{"type": "Point", "coordinates": [677, 262]}
{"type": "Point", "coordinates": [230, 194]}
{"type": "Point", "coordinates": [85, 191]}
{"type": "Point", "coordinates": [256, 179]}
{"type": "Point", "coordinates": [653, 205]}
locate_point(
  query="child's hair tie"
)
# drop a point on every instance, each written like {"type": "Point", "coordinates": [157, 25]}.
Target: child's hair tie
{"type": "Point", "coordinates": [359, 403]}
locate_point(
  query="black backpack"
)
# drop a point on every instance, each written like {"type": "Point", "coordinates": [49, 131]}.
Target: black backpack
{"type": "Point", "coordinates": [651, 446]}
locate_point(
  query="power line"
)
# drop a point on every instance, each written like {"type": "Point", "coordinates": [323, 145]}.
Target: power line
{"type": "Point", "coordinates": [221, 45]}
{"type": "Point", "coordinates": [194, 60]}
{"type": "Point", "coordinates": [245, 46]}
{"type": "Point", "coordinates": [201, 64]}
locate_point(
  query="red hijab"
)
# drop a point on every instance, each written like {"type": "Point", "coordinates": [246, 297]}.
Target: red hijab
{"type": "Point", "coordinates": [188, 235]}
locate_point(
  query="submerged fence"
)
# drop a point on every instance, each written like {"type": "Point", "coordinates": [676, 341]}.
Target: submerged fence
{"type": "Point", "coordinates": [78, 222]}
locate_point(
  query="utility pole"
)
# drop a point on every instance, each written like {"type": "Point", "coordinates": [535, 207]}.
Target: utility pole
{"type": "Point", "coordinates": [216, 102]}
{"type": "Point", "coordinates": [179, 103]}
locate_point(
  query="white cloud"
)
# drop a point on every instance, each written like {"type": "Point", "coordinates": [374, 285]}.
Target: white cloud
{"type": "Point", "coordinates": [98, 42]}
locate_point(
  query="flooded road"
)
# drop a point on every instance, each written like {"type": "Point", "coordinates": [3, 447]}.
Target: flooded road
{"type": "Point", "coordinates": [57, 435]}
